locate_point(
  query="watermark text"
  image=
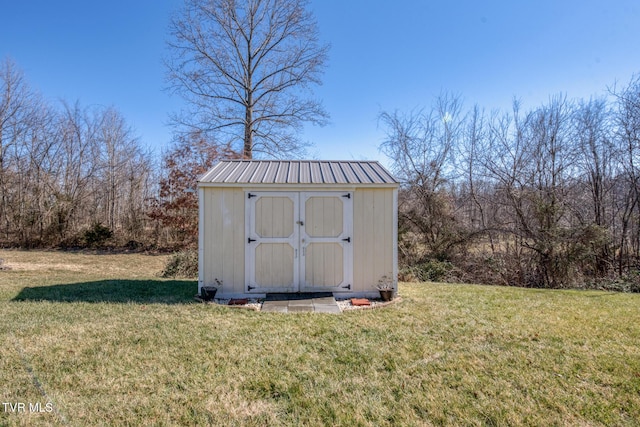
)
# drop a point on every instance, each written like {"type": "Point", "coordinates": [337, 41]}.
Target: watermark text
{"type": "Point", "coordinates": [27, 407]}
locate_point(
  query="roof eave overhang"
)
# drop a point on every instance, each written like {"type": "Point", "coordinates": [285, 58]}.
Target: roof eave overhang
{"type": "Point", "coordinates": [280, 186]}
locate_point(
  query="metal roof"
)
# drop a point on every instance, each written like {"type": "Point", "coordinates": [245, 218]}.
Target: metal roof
{"type": "Point", "coordinates": [298, 172]}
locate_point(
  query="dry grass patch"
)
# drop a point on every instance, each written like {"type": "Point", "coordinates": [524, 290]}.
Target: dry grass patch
{"type": "Point", "coordinates": [102, 265]}
{"type": "Point", "coordinates": [145, 353]}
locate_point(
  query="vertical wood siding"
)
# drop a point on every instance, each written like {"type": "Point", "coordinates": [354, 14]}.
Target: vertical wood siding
{"type": "Point", "coordinates": [323, 216]}
{"type": "Point", "coordinates": [223, 255]}
{"type": "Point", "coordinates": [274, 217]}
{"type": "Point", "coordinates": [372, 237]}
{"type": "Point", "coordinates": [274, 264]}
{"type": "Point", "coordinates": [324, 264]}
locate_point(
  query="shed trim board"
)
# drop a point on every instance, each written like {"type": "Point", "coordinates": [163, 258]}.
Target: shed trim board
{"type": "Point", "coordinates": [309, 187]}
{"type": "Point", "coordinates": [261, 237]}
{"type": "Point", "coordinates": [395, 236]}
{"type": "Point", "coordinates": [201, 216]}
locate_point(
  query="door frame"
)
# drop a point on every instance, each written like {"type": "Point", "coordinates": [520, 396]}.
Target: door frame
{"type": "Point", "coordinates": [299, 199]}
{"type": "Point", "coordinates": [251, 197]}
{"type": "Point", "coordinates": [347, 247]}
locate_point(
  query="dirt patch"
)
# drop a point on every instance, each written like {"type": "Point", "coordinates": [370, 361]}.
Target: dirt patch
{"type": "Point", "coordinates": [30, 266]}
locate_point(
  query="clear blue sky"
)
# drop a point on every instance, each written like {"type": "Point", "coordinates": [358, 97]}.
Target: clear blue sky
{"type": "Point", "coordinates": [385, 56]}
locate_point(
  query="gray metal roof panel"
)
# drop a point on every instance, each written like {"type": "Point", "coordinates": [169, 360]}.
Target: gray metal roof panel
{"type": "Point", "coordinates": [372, 174]}
{"type": "Point", "coordinates": [305, 173]}
{"type": "Point", "coordinates": [270, 173]}
{"type": "Point", "coordinates": [359, 173]}
{"type": "Point", "coordinates": [297, 172]}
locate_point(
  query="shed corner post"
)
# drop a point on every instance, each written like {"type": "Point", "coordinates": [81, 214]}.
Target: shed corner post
{"type": "Point", "coordinates": [395, 238]}
{"type": "Point", "coordinates": [200, 238]}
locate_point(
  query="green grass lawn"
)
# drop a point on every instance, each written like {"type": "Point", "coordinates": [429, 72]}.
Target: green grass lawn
{"type": "Point", "coordinates": [103, 341]}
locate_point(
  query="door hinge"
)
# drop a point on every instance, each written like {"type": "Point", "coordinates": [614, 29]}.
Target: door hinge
{"type": "Point", "coordinates": [249, 240]}
{"type": "Point", "coordinates": [348, 239]}
{"type": "Point", "coordinates": [249, 287]}
{"type": "Point", "coordinates": [348, 195]}
{"type": "Point", "coordinates": [347, 286]}
{"type": "Point", "coordinates": [249, 195]}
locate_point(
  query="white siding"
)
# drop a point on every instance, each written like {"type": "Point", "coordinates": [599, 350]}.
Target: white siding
{"type": "Point", "coordinates": [223, 238]}
{"type": "Point", "coordinates": [373, 237]}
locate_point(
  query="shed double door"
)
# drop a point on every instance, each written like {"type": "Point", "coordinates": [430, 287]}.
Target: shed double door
{"type": "Point", "coordinates": [298, 241]}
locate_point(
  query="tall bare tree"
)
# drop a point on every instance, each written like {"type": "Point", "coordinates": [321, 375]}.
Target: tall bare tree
{"type": "Point", "coordinates": [596, 160]}
{"type": "Point", "coordinates": [16, 109]}
{"type": "Point", "coordinates": [118, 151]}
{"type": "Point", "coordinates": [245, 68]}
{"type": "Point", "coordinates": [627, 121]}
{"type": "Point", "coordinates": [421, 146]}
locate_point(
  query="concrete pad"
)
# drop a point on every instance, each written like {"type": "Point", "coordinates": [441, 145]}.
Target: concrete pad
{"type": "Point", "coordinates": [300, 308]}
{"type": "Point", "coordinates": [325, 300]}
{"type": "Point", "coordinates": [324, 304]}
{"type": "Point", "coordinates": [300, 302]}
{"type": "Point", "coordinates": [292, 303]}
{"type": "Point", "coordinates": [274, 308]}
{"type": "Point", "coordinates": [277, 303]}
{"type": "Point", "coordinates": [327, 309]}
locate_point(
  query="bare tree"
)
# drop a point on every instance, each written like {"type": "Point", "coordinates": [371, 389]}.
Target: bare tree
{"type": "Point", "coordinates": [472, 176]}
{"type": "Point", "coordinates": [31, 208]}
{"type": "Point", "coordinates": [627, 121]}
{"type": "Point", "coordinates": [501, 159]}
{"type": "Point", "coordinates": [118, 149]}
{"type": "Point", "coordinates": [16, 108]}
{"type": "Point", "coordinates": [246, 67]}
{"type": "Point", "coordinates": [421, 145]}
{"type": "Point", "coordinates": [596, 160]}
{"type": "Point", "coordinates": [101, 175]}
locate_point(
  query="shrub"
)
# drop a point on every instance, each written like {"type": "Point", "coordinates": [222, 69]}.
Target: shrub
{"type": "Point", "coordinates": [133, 245]}
{"type": "Point", "coordinates": [430, 271]}
{"type": "Point", "coordinates": [182, 264]}
{"type": "Point", "coordinates": [629, 282]}
{"type": "Point", "coordinates": [97, 235]}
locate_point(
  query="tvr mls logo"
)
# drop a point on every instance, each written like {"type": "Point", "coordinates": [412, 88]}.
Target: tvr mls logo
{"type": "Point", "coordinates": [31, 407]}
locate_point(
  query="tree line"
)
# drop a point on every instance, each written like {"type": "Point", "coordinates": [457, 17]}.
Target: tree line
{"type": "Point", "coordinates": [545, 197]}
{"type": "Point", "coordinates": [74, 176]}
{"type": "Point", "coordinates": [69, 175]}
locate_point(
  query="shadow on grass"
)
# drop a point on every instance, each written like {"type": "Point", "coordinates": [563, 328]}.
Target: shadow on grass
{"type": "Point", "coordinates": [118, 291]}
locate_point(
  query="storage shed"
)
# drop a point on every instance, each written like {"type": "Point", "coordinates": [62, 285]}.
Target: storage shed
{"type": "Point", "coordinates": [297, 226]}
